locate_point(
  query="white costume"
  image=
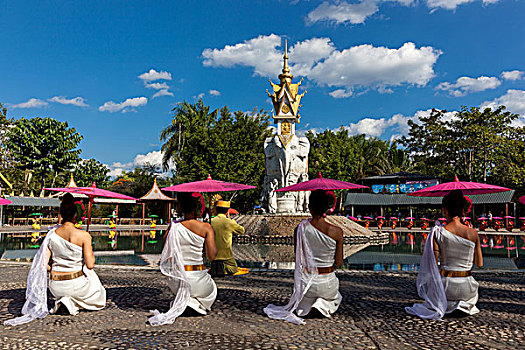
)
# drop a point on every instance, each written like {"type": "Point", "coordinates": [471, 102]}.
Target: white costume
{"type": "Point", "coordinates": [195, 289]}
{"type": "Point", "coordinates": [445, 294]}
{"type": "Point", "coordinates": [314, 249]}
{"type": "Point", "coordinates": [82, 292]}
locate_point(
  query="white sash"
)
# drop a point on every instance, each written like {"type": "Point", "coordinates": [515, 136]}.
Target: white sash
{"type": "Point", "coordinates": [305, 271]}
{"type": "Point", "coordinates": [429, 285]}
{"type": "Point", "coordinates": [36, 290]}
{"type": "Point", "coordinates": [172, 265]}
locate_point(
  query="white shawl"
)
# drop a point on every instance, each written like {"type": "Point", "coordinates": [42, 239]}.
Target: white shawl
{"type": "Point", "coordinates": [172, 265]}
{"type": "Point", "coordinates": [36, 291]}
{"type": "Point", "coordinates": [304, 274]}
{"type": "Point", "coordinates": [429, 285]}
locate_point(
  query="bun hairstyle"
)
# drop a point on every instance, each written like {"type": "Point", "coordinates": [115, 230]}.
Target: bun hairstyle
{"type": "Point", "coordinates": [68, 209]}
{"type": "Point", "coordinates": [455, 203]}
{"type": "Point", "coordinates": [190, 202]}
{"type": "Point", "coordinates": [320, 202]}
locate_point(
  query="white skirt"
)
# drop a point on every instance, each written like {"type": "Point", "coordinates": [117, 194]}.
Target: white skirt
{"type": "Point", "coordinates": [462, 294]}
{"type": "Point", "coordinates": [203, 290]}
{"type": "Point", "coordinates": [85, 292]}
{"type": "Point", "coordinates": [323, 295]}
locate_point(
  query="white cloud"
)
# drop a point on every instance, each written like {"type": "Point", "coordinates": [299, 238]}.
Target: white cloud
{"type": "Point", "coordinates": [396, 126]}
{"type": "Point", "coordinates": [31, 103]}
{"type": "Point", "coordinates": [77, 101]}
{"type": "Point", "coordinates": [163, 92]}
{"type": "Point", "coordinates": [127, 106]}
{"type": "Point", "coordinates": [199, 96]}
{"type": "Point", "coordinates": [153, 158]}
{"type": "Point", "coordinates": [363, 66]}
{"type": "Point", "coordinates": [453, 4]}
{"type": "Point", "coordinates": [343, 12]}
{"type": "Point", "coordinates": [214, 92]}
{"type": "Point", "coordinates": [514, 100]}
{"type": "Point", "coordinates": [465, 85]}
{"type": "Point", "coordinates": [259, 53]}
{"type": "Point", "coordinates": [156, 86]}
{"type": "Point", "coordinates": [153, 75]}
{"type": "Point", "coordinates": [341, 93]}
{"type": "Point", "coordinates": [512, 75]}
{"type": "Point", "coordinates": [377, 67]}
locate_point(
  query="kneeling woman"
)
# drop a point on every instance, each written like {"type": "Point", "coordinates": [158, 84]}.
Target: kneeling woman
{"type": "Point", "coordinates": [318, 247]}
{"type": "Point", "coordinates": [182, 262]}
{"type": "Point", "coordinates": [457, 247]}
{"type": "Point", "coordinates": [67, 253]}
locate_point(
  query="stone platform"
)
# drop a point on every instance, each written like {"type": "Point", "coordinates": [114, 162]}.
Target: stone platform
{"type": "Point", "coordinates": [371, 315]}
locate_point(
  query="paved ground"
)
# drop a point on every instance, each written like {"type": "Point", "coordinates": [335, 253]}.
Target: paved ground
{"type": "Point", "coordinates": [370, 317]}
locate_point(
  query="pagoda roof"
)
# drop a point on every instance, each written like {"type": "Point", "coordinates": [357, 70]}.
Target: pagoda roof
{"type": "Point", "coordinates": [155, 194]}
{"type": "Point", "coordinates": [70, 184]}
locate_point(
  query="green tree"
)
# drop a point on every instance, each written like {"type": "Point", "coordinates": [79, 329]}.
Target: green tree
{"type": "Point", "coordinates": [229, 146]}
{"type": "Point", "coordinates": [476, 145]}
{"type": "Point", "coordinates": [88, 171]}
{"type": "Point", "coordinates": [43, 145]}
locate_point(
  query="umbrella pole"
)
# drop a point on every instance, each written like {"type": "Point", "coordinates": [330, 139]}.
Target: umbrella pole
{"type": "Point", "coordinates": [142, 245]}
{"type": "Point", "coordinates": [209, 207]}
{"type": "Point", "coordinates": [89, 213]}
{"type": "Point", "coordinates": [143, 213]}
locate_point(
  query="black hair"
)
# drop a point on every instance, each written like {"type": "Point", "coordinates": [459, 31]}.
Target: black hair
{"type": "Point", "coordinates": [455, 203]}
{"type": "Point", "coordinates": [320, 202]}
{"type": "Point", "coordinates": [187, 203]}
{"type": "Point", "coordinates": [68, 209]}
{"type": "Point", "coordinates": [221, 210]}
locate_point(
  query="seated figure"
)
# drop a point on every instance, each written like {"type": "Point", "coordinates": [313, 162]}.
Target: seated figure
{"type": "Point", "coordinates": [456, 247]}
{"type": "Point", "coordinates": [67, 253]}
{"type": "Point", "coordinates": [318, 248]}
{"type": "Point", "coordinates": [224, 228]}
{"type": "Point", "coordinates": [182, 262]}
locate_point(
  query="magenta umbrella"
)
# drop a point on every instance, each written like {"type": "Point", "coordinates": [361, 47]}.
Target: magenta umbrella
{"type": "Point", "coordinates": [208, 185]}
{"type": "Point", "coordinates": [321, 184]}
{"type": "Point", "coordinates": [468, 188]}
{"type": "Point", "coordinates": [4, 201]}
{"type": "Point", "coordinates": [91, 192]}
{"type": "Point", "coordinates": [368, 218]}
{"type": "Point", "coordinates": [508, 217]}
{"type": "Point", "coordinates": [352, 218]}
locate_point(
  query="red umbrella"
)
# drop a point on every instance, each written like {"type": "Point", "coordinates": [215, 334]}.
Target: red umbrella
{"type": "Point", "coordinates": [321, 184]}
{"type": "Point", "coordinates": [208, 185]}
{"type": "Point", "coordinates": [4, 201]}
{"type": "Point", "coordinates": [91, 192]}
{"type": "Point", "coordinates": [468, 188]}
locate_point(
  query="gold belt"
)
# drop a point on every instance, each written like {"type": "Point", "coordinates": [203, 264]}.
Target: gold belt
{"type": "Point", "coordinates": [66, 276]}
{"type": "Point", "coordinates": [446, 273]}
{"type": "Point", "coordinates": [195, 267]}
{"type": "Point", "coordinates": [325, 270]}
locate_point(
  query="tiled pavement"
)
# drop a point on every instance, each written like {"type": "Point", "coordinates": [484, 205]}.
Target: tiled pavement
{"type": "Point", "coordinates": [371, 315]}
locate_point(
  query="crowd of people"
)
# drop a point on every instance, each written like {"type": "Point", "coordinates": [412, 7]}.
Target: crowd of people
{"type": "Point", "coordinates": [444, 281]}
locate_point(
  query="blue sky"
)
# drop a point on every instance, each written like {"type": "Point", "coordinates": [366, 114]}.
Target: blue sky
{"type": "Point", "coordinates": [115, 69]}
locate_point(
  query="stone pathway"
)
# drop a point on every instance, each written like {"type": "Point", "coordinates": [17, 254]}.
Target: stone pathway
{"type": "Point", "coordinates": [370, 317]}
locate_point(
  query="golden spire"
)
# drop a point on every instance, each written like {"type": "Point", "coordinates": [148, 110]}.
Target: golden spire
{"type": "Point", "coordinates": [286, 76]}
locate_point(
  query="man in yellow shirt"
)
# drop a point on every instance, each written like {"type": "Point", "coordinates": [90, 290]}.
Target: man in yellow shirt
{"type": "Point", "coordinates": [224, 228]}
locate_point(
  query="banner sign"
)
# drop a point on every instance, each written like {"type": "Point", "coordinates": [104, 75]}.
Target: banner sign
{"type": "Point", "coordinates": [408, 187]}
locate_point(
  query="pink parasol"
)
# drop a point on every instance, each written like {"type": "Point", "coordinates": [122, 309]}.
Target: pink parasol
{"type": "Point", "coordinates": [481, 218]}
{"type": "Point", "coordinates": [468, 188]}
{"type": "Point", "coordinates": [508, 217]}
{"type": "Point", "coordinates": [91, 192]}
{"type": "Point", "coordinates": [442, 219]}
{"type": "Point", "coordinates": [369, 218]}
{"type": "Point", "coordinates": [425, 219]}
{"type": "Point", "coordinates": [208, 185]}
{"type": "Point", "coordinates": [4, 201]}
{"type": "Point", "coordinates": [380, 217]}
{"type": "Point", "coordinates": [393, 218]}
{"type": "Point", "coordinates": [410, 218]}
{"type": "Point", "coordinates": [466, 218]}
{"type": "Point", "coordinates": [321, 184]}
{"type": "Point", "coordinates": [352, 218]}
{"type": "Point", "coordinates": [497, 218]}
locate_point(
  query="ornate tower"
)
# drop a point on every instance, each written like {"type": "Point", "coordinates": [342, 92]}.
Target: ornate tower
{"type": "Point", "coordinates": [286, 154]}
{"type": "Point", "coordinates": [286, 102]}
